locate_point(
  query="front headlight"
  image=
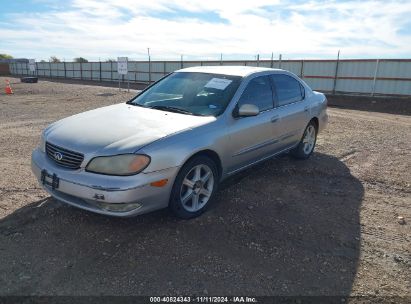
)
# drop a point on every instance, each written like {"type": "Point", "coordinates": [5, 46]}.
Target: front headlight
{"type": "Point", "coordinates": [124, 164]}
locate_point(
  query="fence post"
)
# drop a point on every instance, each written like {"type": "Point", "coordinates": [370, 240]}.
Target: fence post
{"type": "Point", "coordinates": [65, 74]}
{"type": "Point", "coordinates": [135, 72]}
{"type": "Point", "coordinates": [50, 69]}
{"type": "Point", "coordinates": [302, 69]}
{"type": "Point", "coordinates": [164, 68]}
{"type": "Point", "coordinates": [377, 63]}
{"type": "Point", "coordinates": [258, 59]}
{"type": "Point", "coordinates": [100, 70]}
{"type": "Point", "coordinates": [81, 71]}
{"type": "Point", "coordinates": [336, 72]}
{"type": "Point", "coordinates": [149, 70]}
{"type": "Point", "coordinates": [272, 60]}
{"type": "Point", "coordinates": [181, 62]}
{"type": "Point", "coordinates": [279, 61]}
{"type": "Point", "coordinates": [111, 71]}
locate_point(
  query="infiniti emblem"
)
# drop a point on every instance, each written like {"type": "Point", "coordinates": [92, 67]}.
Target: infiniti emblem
{"type": "Point", "coordinates": [58, 156]}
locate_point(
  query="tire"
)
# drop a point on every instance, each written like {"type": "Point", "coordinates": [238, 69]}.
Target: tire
{"type": "Point", "coordinates": [306, 145]}
{"type": "Point", "coordinates": [192, 191]}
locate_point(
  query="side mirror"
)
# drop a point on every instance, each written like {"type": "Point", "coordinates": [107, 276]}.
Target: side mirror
{"type": "Point", "coordinates": [248, 110]}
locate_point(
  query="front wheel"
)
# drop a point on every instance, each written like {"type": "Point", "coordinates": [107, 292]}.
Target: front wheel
{"type": "Point", "coordinates": [307, 143]}
{"type": "Point", "coordinates": [194, 187]}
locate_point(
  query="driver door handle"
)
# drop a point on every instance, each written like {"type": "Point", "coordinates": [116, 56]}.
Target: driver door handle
{"type": "Point", "coordinates": [274, 118]}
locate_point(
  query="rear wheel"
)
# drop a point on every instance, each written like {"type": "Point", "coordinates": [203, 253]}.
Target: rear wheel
{"type": "Point", "coordinates": [194, 187]}
{"type": "Point", "coordinates": [307, 143]}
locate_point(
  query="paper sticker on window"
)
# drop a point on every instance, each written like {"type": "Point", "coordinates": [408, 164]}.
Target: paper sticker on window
{"type": "Point", "coordinates": [218, 83]}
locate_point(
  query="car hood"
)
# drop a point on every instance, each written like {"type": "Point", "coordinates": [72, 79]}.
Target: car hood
{"type": "Point", "coordinates": [120, 128]}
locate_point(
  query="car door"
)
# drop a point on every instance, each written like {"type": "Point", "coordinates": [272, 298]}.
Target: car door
{"type": "Point", "coordinates": [292, 109]}
{"type": "Point", "coordinates": [252, 138]}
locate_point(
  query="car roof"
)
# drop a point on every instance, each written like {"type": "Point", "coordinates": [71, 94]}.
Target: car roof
{"type": "Point", "coordinates": [229, 70]}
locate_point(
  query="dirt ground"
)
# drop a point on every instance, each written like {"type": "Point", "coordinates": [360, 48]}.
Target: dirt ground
{"type": "Point", "coordinates": [326, 226]}
{"type": "Point", "coordinates": [382, 104]}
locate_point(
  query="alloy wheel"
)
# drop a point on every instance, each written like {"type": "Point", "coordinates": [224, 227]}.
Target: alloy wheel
{"type": "Point", "coordinates": [197, 188]}
{"type": "Point", "coordinates": [309, 139]}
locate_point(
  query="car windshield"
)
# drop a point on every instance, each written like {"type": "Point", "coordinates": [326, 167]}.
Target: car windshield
{"type": "Point", "coordinates": [191, 93]}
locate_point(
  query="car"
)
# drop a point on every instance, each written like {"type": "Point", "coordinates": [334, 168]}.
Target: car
{"type": "Point", "coordinates": [174, 142]}
{"type": "Point", "coordinates": [29, 79]}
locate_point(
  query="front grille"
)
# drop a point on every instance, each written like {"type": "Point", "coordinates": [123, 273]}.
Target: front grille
{"type": "Point", "coordinates": [63, 157]}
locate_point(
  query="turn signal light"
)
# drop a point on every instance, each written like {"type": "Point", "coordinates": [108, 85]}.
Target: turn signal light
{"type": "Point", "coordinates": [159, 183]}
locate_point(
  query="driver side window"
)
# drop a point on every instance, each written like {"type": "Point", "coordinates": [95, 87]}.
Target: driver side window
{"type": "Point", "coordinates": [258, 92]}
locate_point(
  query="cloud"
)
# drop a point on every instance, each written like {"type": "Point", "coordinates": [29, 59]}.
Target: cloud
{"type": "Point", "coordinates": [204, 29]}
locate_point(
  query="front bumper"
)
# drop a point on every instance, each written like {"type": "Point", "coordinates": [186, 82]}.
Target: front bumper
{"type": "Point", "coordinates": [102, 193]}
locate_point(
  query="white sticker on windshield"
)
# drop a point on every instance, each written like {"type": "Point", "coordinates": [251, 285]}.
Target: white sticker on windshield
{"type": "Point", "coordinates": [218, 83]}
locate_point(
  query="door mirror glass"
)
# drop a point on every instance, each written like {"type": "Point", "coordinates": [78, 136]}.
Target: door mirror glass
{"type": "Point", "coordinates": [248, 110]}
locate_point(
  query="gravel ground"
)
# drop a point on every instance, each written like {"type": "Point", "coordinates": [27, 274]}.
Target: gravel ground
{"type": "Point", "coordinates": [326, 226]}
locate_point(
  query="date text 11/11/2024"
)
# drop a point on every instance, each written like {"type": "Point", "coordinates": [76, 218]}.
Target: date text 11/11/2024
{"type": "Point", "coordinates": [203, 299]}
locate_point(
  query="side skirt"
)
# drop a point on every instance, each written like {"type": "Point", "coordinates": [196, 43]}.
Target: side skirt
{"type": "Point", "coordinates": [259, 161]}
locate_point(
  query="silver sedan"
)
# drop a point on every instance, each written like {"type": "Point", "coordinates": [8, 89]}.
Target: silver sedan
{"type": "Point", "coordinates": [173, 143]}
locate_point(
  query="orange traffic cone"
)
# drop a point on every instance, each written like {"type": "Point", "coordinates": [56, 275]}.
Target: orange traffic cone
{"type": "Point", "coordinates": [8, 89]}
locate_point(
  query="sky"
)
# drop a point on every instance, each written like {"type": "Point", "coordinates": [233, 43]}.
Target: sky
{"type": "Point", "coordinates": [205, 29]}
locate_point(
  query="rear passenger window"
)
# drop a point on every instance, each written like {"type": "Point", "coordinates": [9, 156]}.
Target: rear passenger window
{"type": "Point", "coordinates": [288, 89]}
{"type": "Point", "coordinates": [258, 92]}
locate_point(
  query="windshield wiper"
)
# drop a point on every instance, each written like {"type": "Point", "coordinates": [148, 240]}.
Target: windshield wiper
{"type": "Point", "coordinates": [172, 109]}
{"type": "Point", "coordinates": [130, 102]}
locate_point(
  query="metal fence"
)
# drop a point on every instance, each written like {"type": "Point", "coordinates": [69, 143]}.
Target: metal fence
{"type": "Point", "coordinates": [359, 76]}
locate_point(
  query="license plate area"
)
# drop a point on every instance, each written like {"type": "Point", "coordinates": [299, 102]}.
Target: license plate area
{"type": "Point", "coordinates": [49, 179]}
